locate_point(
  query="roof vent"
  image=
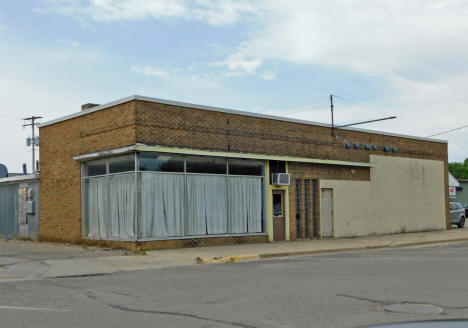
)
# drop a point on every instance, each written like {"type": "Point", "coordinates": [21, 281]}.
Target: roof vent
{"type": "Point", "coordinates": [88, 106]}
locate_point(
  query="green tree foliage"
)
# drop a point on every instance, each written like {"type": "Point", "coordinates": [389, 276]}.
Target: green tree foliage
{"type": "Point", "coordinates": [459, 170]}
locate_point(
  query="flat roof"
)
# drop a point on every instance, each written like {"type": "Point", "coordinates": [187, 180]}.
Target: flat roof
{"type": "Point", "coordinates": [224, 110]}
{"type": "Point", "coordinates": [20, 178]}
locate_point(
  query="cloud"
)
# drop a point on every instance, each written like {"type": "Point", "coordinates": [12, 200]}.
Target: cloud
{"type": "Point", "coordinates": [238, 65]}
{"type": "Point", "coordinates": [214, 12]}
{"type": "Point", "coordinates": [150, 71]}
{"type": "Point", "coordinates": [223, 12]}
{"type": "Point", "coordinates": [268, 75]}
{"type": "Point", "coordinates": [180, 76]}
{"type": "Point", "coordinates": [368, 37]}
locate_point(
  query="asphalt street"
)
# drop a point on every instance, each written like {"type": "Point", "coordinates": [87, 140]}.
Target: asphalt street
{"type": "Point", "coordinates": [352, 289]}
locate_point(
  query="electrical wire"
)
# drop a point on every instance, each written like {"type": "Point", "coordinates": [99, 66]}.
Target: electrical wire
{"type": "Point", "coordinates": [360, 104]}
{"type": "Point", "coordinates": [459, 128]}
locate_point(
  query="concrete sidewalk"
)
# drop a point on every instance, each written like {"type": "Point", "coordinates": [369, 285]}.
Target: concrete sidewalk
{"type": "Point", "coordinates": [25, 260]}
{"type": "Point", "coordinates": [235, 253]}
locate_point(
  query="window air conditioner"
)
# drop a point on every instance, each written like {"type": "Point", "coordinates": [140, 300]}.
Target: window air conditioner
{"type": "Point", "coordinates": [281, 179]}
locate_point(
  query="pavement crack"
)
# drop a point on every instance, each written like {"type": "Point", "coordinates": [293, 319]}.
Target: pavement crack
{"type": "Point", "coordinates": [363, 299]}
{"type": "Point", "coordinates": [4, 266]}
{"type": "Point", "coordinates": [180, 314]}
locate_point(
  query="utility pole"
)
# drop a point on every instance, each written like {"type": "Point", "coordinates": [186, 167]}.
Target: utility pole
{"type": "Point", "coordinates": [33, 141]}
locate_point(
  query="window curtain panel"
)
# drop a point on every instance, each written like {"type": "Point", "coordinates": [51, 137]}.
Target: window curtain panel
{"type": "Point", "coordinates": [206, 205]}
{"type": "Point", "coordinates": [122, 206]}
{"type": "Point", "coordinates": [161, 205]}
{"type": "Point", "coordinates": [97, 214]}
{"type": "Point", "coordinates": [245, 204]}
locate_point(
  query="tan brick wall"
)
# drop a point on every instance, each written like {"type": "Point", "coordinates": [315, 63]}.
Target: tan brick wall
{"type": "Point", "coordinates": [60, 206]}
{"type": "Point", "coordinates": [160, 124]}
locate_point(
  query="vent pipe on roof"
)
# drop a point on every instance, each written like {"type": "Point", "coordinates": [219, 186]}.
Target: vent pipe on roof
{"type": "Point", "coordinates": [88, 106]}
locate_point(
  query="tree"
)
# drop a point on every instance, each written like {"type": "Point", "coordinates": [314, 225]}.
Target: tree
{"type": "Point", "coordinates": [459, 170]}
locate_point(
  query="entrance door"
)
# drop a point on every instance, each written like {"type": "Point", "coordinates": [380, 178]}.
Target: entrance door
{"type": "Point", "coordinates": [279, 220]}
{"type": "Point", "coordinates": [326, 213]}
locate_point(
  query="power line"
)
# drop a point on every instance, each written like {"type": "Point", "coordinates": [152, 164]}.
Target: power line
{"type": "Point", "coordinates": [360, 104]}
{"type": "Point", "coordinates": [459, 128]}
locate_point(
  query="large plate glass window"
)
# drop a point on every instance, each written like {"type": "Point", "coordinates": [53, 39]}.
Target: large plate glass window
{"type": "Point", "coordinates": [98, 167]}
{"type": "Point", "coordinates": [205, 164]}
{"type": "Point", "coordinates": [160, 162]}
{"type": "Point", "coordinates": [245, 167]}
{"type": "Point", "coordinates": [122, 164]}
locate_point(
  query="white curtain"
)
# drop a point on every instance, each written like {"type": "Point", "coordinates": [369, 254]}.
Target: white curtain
{"type": "Point", "coordinates": [162, 205]}
{"type": "Point", "coordinates": [245, 204]}
{"type": "Point", "coordinates": [162, 200]}
{"type": "Point", "coordinates": [206, 205]}
{"type": "Point", "coordinates": [122, 205]}
{"type": "Point", "coordinates": [111, 207]}
{"type": "Point", "coordinates": [97, 208]}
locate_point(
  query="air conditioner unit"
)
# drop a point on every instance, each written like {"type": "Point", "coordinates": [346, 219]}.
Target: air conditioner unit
{"type": "Point", "coordinates": [281, 179]}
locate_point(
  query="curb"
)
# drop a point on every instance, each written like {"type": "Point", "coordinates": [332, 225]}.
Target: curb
{"type": "Point", "coordinates": [250, 257]}
{"type": "Point", "coordinates": [228, 259]}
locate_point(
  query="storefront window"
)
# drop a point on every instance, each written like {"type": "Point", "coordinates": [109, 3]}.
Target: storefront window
{"type": "Point", "coordinates": [204, 164]}
{"type": "Point", "coordinates": [245, 167]}
{"type": "Point", "coordinates": [160, 162]}
{"type": "Point", "coordinates": [122, 164]}
{"type": "Point", "coordinates": [175, 195]}
{"type": "Point", "coordinates": [96, 168]}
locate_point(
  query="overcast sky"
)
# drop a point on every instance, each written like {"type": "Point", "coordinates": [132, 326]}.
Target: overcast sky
{"type": "Point", "coordinates": [407, 58]}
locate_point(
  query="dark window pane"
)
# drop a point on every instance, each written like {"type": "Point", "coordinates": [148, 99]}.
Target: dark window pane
{"type": "Point", "coordinates": [245, 167]}
{"type": "Point", "coordinates": [202, 164]}
{"type": "Point", "coordinates": [122, 164]}
{"type": "Point", "coordinates": [160, 162]}
{"type": "Point", "coordinates": [277, 205]}
{"type": "Point", "coordinates": [96, 167]}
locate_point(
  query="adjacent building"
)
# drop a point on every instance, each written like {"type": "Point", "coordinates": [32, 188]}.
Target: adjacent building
{"type": "Point", "coordinates": [164, 174]}
{"type": "Point", "coordinates": [462, 192]}
{"type": "Point", "coordinates": [19, 206]}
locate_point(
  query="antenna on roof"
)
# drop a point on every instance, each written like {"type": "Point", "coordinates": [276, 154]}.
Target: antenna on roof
{"type": "Point", "coordinates": [332, 107]}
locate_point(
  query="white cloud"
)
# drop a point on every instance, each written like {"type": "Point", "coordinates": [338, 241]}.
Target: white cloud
{"type": "Point", "coordinates": [268, 75]}
{"type": "Point", "coordinates": [370, 37]}
{"type": "Point", "coordinates": [178, 76]}
{"type": "Point", "coordinates": [150, 71]}
{"type": "Point", "coordinates": [238, 65]}
{"type": "Point", "coordinates": [223, 12]}
{"type": "Point", "coordinates": [214, 12]}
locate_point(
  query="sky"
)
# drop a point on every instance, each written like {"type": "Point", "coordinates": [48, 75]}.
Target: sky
{"type": "Point", "coordinates": [407, 58]}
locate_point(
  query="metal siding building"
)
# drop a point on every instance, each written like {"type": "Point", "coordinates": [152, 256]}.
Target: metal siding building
{"type": "Point", "coordinates": [19, 206]}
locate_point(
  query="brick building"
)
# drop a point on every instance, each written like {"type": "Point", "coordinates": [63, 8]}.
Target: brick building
{"type": "Point", "coordinates": [163, 174]}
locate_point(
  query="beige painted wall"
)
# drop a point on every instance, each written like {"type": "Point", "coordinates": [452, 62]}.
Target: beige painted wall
{"type": "Point", "coordinates": [403, 195]}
